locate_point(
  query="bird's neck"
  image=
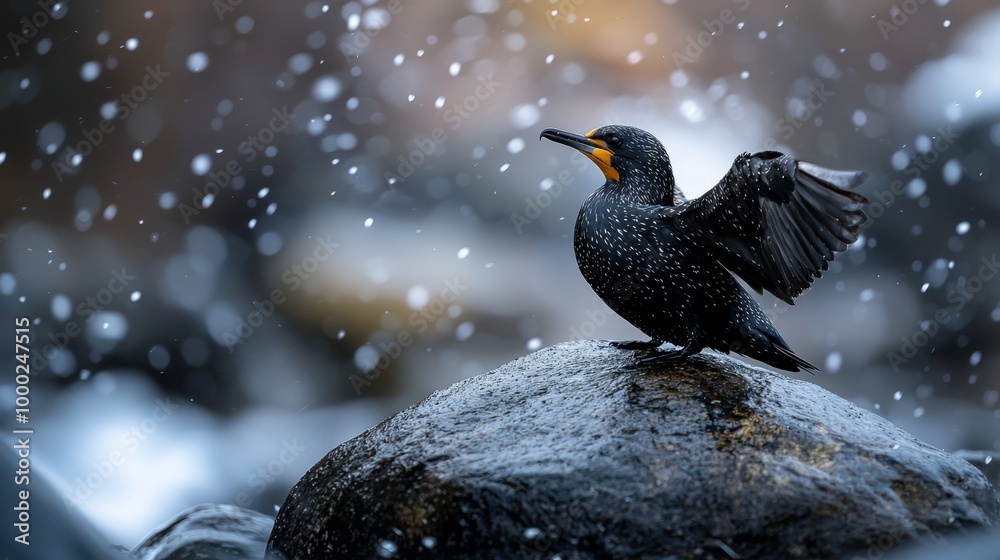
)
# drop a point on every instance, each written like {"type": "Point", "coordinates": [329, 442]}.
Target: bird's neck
{"type": "Point", "coordinates": [638, 188]}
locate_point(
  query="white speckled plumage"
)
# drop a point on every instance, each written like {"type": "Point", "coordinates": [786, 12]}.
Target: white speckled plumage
{"type": "Point", "coordinates": [666, 264]}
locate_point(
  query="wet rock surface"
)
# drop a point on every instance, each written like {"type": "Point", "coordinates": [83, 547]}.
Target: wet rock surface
{"type": "Point", "coordinates": [211, 531]}
{"type": "Point", "coordinates": [571, 451]}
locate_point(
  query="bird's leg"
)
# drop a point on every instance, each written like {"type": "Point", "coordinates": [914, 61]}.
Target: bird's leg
{"type": "Point", "coordinates": [689, 349]}
{"type": "Point", "coordinates": [636, 344]}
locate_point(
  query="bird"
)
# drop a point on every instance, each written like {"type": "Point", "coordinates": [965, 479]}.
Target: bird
{"type": "Point", "coordinates": [669, 265]}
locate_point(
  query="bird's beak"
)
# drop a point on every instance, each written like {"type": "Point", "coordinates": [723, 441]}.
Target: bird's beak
{"type": "Point", "coordinates": [596, 150]}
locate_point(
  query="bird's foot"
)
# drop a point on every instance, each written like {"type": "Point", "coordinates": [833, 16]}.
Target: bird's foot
{"type": "Point", "coordinates": [636, 344]}
{"type": "Point", "coordinates": [663, 356]}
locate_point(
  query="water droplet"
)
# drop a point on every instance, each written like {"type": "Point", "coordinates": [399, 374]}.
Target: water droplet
{"type": "Point", "coordinates": [464, 330]}
{"type": "Point", "coordinates": [201, 164]}
{"type": "Point", "coordinates": [417, 296]}
{"type": "Point", "coordinates": [975, 358]}
{"type": "Point", "coordinates": [90, 71]}
{"type": "Point", "coordinates": [197, 61]}
{"type": "Point", "coordinates": [326, 88]}
{"type": "Point", "coordinates": [159, 358]}
{"type": "Point", "coordinates": [387, 549]}
{"type": "Point", "coordinates": [524, 115]}
{"type": "Point", "coordinates": [833, 362]}
{"type": "Point", "coordinates": [859, 118]}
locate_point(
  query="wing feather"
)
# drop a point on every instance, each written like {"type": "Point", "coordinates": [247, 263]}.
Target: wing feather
{"type": "Point", "coordinates": [775, 221]}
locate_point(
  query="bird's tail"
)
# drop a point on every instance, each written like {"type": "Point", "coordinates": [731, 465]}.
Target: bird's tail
{"type": "Point", "coordinates": [756, 337]}
{"type": "Point", "coordinates": [770, 348]}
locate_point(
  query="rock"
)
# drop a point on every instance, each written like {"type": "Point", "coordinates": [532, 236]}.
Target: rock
{"type": "Point", "coordinates": [571, 451]}
{"type": "Point", "coordinates": [986, 461]}
{"type": "Point", "coordinates": [210, 531]}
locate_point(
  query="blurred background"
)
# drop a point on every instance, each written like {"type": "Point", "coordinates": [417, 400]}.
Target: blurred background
{"type": "Point", "coordinates": [246, 232]}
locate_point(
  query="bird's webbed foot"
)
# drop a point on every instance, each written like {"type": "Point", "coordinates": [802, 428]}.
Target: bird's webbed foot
{"type": "Point", "coordinates": [636, 344]}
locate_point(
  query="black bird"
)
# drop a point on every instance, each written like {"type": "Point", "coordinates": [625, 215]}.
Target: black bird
{"type": "Point", "coordinates": [666, 264]}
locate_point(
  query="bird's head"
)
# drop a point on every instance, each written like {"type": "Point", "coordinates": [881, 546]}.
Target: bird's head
{"type": "Point", "coordinates": [633, 161]}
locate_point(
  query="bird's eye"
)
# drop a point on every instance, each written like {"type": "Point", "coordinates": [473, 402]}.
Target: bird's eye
{"type": "Point", "coordinates": [614, 141]}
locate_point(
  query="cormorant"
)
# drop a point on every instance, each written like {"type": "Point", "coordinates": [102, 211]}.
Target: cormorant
{"type": "Point", "coordinates": [666, 264]}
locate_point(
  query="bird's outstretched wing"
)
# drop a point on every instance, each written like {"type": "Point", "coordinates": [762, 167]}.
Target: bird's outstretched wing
{"type": "Point", "coordinates": [776, 221]}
